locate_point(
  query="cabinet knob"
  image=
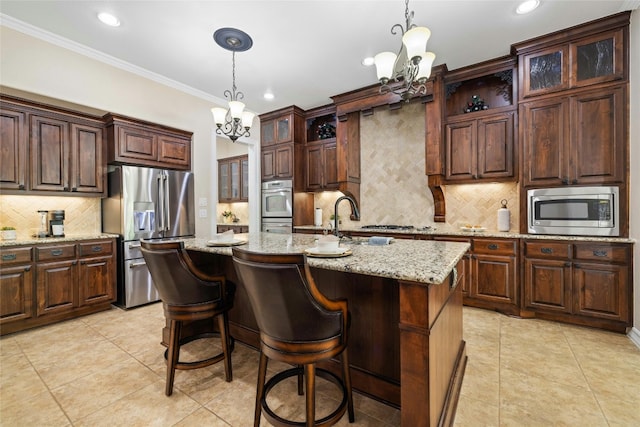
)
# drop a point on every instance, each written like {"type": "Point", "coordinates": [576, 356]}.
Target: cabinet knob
{"type": "Point", "coordinates": [66, 188]}
{"type": "Point", "coordinates": [21, 187]}
{"type": "Point", "coordinates": [567, 264]}
{"type": "Point", "coordinates": [27, 268]}
{"type": "Point", "coordinates": [74, 189]}
{"type": "Point", "coordinates": [565, 181]}
{"type": "Point", "coordinates": [575, 181]}
{"type": "Point", "coordinates": [492, 246]}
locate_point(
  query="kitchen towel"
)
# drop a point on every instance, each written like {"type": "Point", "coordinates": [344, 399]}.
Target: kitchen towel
{"type": "Point", "coordinates": [379, 240]}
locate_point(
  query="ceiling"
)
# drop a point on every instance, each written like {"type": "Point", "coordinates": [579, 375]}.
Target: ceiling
{"type": "Point", "coordinates": [303, 51]}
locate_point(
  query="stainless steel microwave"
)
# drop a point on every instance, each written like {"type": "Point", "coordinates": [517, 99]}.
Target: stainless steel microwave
{"type": "Point", "coordinates": [576, 211]}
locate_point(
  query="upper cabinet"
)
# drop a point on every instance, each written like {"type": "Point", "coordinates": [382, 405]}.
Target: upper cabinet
{"type": "Point", "coordinates": [47, 149]}
{"type": "Point", "coordinates": [282, 144]}
{"type": "Point", "coordinates": [581, 56]}
{"type": "Point", "coordinates": [480, 123]}
{"type": "Point", "coordinates": [136, 142]}
{"type": "Point", "coordinates": [233, 179]}
{"type": "Point", "coordinates": [321, 157]}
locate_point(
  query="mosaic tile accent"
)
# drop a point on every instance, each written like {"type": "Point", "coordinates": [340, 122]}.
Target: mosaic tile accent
{"type": "Point", "coordinates": [83, 215]}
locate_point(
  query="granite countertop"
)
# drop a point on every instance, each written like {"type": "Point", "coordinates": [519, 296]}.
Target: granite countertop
{"type": "Point", "coordinates": [447, 230]}
{"type": "Point", "coordinates": [420, 261]}
{"type": "Point", "coordinates": [68, 238]}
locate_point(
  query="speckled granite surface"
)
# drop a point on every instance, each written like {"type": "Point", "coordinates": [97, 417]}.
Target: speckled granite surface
{"type": "Point", "coordinates": [415, 260]}
{"type": "Point", "coordinates": [447, 230]}
{"type": "Point", "coordinates": [68, 238]}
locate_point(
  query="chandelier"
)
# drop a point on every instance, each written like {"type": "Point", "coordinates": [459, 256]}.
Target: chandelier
{"type": "Point", "coordinates": [234, 122]}
{"type": "Point", "coordinates": [411, 66]}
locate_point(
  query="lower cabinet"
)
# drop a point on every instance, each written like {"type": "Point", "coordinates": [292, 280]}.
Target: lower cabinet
{"type": "Point", "coordinates": [71, 279]}
{"type": "Point", "coordinates": [235, 228]}
{"type": "Point", "coordinates": [582, 283]}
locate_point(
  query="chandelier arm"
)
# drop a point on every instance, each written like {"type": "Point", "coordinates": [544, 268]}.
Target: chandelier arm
{"type": "Point", "coordinates": [400, 27]}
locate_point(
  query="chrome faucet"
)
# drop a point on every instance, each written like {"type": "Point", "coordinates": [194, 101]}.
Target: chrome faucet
{"type": "Point", "coordinates": [354, 212]}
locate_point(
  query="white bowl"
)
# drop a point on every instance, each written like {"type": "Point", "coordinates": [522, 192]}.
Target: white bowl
{"type": "Point", "coordinates": [326, 245]}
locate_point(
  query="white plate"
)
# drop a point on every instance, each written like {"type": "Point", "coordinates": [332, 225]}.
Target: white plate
{"type": "Point", "coordinates": [233, 242]}
{"type": "Point", "coordinates": [473, 229]}
{"type": "Point", "coordinates": [340, 252]}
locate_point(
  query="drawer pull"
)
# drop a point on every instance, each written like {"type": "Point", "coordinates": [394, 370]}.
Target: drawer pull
{"type": "Point", "coordinates": [96, 248]}
{"type": "Point", "coordinates": [9, 257]}
{"type": "Point", "coordinates": [600, 252]}
{"type": "Point", "coordinates": [546, 250]}
{"type": "Point", "coordinates": [27, 268]}
{"type": "Point", "coordinates": [56, 252]}
{"type": "Point", "coordinates": [567, 264]}
{"type": "Point", "coordinates": [492, 246]}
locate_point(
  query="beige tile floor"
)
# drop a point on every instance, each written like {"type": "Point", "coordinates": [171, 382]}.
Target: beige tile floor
{"type": "Point", "coordinates": [107, 369]}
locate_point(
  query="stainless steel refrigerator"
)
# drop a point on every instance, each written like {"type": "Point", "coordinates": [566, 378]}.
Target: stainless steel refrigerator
{"type": "Point", "coordinates": [145, 203]}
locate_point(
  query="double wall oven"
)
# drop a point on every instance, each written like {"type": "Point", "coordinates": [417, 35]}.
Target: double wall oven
{"type": "Point", "coordinates": [277, 206]}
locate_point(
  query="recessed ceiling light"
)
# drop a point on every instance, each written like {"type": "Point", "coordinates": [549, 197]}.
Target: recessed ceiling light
{"type": "Point", "coordinates": [109, 19]}
{"type": "Point", "coordinates": [268, 96]}
{"type": "Point", "coordinates": [368, 61]}
{"type": "Point", "coordinates": [527, 6]}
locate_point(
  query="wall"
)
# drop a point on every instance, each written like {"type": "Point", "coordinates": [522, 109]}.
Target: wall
{"type": "Point", "coordinates": [392, 156]}
{"type": "Point", "coordinates": [634, 137]}
{"type": "Point", "coordinates": [36, 66]}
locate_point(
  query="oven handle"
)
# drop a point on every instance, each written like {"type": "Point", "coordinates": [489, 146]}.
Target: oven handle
{"type": "Point", "coordinates": [137, 264]}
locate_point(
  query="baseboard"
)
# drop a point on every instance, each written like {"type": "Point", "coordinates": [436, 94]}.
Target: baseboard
{"type": "Point", "coordinates": [634, 335]}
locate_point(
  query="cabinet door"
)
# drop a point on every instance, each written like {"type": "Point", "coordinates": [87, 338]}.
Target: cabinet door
{"type": "Point", "coordinates": [601, 291]}
{"type": "Point", "coordinates": [460, 151]}
{"type": "Point", "coordinates": [545, 136]}
{"type": "Point", "coordinates": [268, 132]}
{"type": "Point", "coordinates": [330, 169]}
{"type": "Point", "coordinates": [174, 152]}
{"type": "Point", "coordinates": [597, 59]}
{"type": "Point", "coordinates": [494, 279]}
{"type": "Point", "coordinates": [135, 143]}
{"type": "Point", "coordinates": [598, 141]}
{"type": "Point", "coordinates": [224, 180]}
{"type": "Point", "coordinates": [244, 180]}
{"type": "Point", "coordinates": [234, 170]}
{"type": "Point", "coordinates": [97, 280]}
{"type": "Point", "coordinates": [547, 285]}
{"type": "Point", "coordinates": [49, 154]}
{"type": "Point", "coordinates": [314, 167]}
{"type": "Point", "coordinates": [284, 161]}
{"type": "Point", "coordinates": [268, 164]}
{"type": "Point", "coordinates": [545, 71]}
{"type": "Point", "coordinates": [283, 129]}
{"type": "Point", "coordinates": [495, 146]}
{"type": "Point", "coordinates": [56, 284]}
{"type": "Point", "coordinates": [16, 293]}
{"type": "Point", "coordinates": [87, 159]}
{"type": "Point", "coordinates": [13, 150]}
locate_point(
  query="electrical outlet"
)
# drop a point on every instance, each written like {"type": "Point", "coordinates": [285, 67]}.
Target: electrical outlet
{"type": "Point", "coordinates": [202, 213]}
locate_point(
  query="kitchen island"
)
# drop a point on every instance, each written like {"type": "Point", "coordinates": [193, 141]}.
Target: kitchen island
{"type": "Point", "coordinates": [405, 344]}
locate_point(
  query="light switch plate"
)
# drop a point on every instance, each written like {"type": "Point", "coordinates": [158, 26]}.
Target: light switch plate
{"type": "Point", "coordinates": [202, 201]}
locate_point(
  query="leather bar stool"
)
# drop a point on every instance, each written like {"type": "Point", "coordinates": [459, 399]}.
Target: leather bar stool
{"type": "Point", "coordinates": [188, 294]}
{"type": "Point", "coordinates": [298, 325]}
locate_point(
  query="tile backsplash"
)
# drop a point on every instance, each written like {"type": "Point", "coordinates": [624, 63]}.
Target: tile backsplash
{"type": "Point", "coordinates": [394, 187]}
{"type": "Point", "coordinates": [82, 214]}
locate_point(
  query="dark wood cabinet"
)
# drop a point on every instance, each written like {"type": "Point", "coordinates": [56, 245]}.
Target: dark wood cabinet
{"type": "Point", "coordinates": [47, 283]}
{"type": "Point", "coordinates": [495, 274]}
{"type": "Point", "coordinates": [322, 166]}
{"type": "Point", "coordinates": [16, 284]}
{"type": "Point", "coordinates": [46, 149]}
{"type": "Point", "coordinates": [136, 142]}
{"type": "Point", "coordinates": [236, 228]}
{"type": "Point", "coordinates": [277, 130]}
{"type": "Point", "coordinates": [233, 185]}
{"type": "Point", "coordinates": [583, 283]}
{"type": "Point", "coordinates": [277, 162]}
{"type": "Point", "coordinates": [281, 132]}
{"type": "Point", "coordinates": [575, 140]}
{"type": "Point", "coordinates": [13, 148]}
{"type": "Point", "coordinates": [480, 148]}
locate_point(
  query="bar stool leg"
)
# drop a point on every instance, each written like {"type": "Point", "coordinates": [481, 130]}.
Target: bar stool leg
{"type": "Point", "coordinates": [173, 354]}
{"type": "Point", "coordinates": [223, 326]}
{"type": "Point", "coordinates": [346, 375]}
{"type": "Point", "coordinates": [300, 381]}
{"type": "Point", "coordinates": [310, 383]}
{"type": "Point", "coordinates": [262, 373]}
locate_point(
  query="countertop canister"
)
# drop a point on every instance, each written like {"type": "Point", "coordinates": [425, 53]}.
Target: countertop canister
{"type": "Point", "coordinates": [504, 217]}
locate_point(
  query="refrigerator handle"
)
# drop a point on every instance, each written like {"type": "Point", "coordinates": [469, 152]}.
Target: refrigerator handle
{"type": "Point", "coordinates": [167, 211]}
{"type": "Point", "coordinates": [160, 203]}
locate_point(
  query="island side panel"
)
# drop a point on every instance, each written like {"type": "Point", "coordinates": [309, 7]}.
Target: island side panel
{"type": "Point", "coordinates": [432, 352]}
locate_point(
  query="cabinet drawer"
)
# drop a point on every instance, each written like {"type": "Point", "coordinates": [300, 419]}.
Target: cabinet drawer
{"type": "Point", "coordinates": [601, 252]}
{"type": "Point", "coordinates": [547, 249]}
{"type": "Point", "coordinates": [95, 248]}
{"type": "Point", "coordinates": [15, 255]}
{"type": "Point", "coordinates": [495, 246]}
{"type": "Point", "coordinates": [47, 253]}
